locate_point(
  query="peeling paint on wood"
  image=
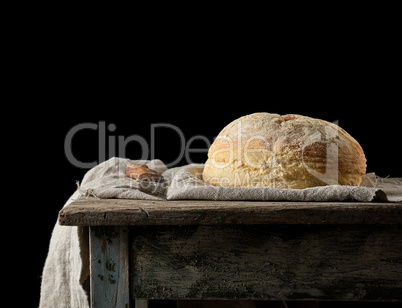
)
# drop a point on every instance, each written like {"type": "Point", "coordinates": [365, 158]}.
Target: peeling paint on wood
{"type": "Point", "coordinates": [109, 286]}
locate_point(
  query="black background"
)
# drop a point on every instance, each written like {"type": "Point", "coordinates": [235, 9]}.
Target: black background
{"type": "Point", "coordinates": [198, 88]}
{"type": "Point", "coordinates": [376, 128]}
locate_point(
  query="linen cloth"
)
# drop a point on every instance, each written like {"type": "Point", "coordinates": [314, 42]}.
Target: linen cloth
{"type": "Point", "coordinates": [186, 183]}
{"type": "Point", "coordinates": [66, 267]}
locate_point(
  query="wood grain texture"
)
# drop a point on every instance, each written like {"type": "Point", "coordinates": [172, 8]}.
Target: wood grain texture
{"type": "Point", "coordinates": [119, 212]}
{"type": "Point", "coordinates": [109, 253]}
{"type": "Point", "coordinates": [292, 262]}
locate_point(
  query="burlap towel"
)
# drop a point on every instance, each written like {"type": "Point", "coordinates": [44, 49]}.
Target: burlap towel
{"type": "Point", "coordinates": [66, 266]}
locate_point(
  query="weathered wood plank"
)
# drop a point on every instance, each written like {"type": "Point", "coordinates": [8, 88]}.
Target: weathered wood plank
{"type": "Point", "coordinates": [141, 303]}
{"type": "Point", "coordinates": [95, 212]}
{"type": "Point", "coordinates": [109, 253]}
{"type": "Point", "coordinates": [293, 262]}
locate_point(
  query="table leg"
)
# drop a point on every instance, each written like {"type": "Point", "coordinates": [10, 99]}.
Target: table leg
{"type": "Point", "coordinates": [109, 267]}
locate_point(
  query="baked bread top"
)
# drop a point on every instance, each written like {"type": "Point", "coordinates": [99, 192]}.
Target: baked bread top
{"type": "Point", "coordinates": [288, 151]}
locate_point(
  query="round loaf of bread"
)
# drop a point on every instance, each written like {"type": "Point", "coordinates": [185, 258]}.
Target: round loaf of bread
{"type": "Point", "coordinates": [288, 151]}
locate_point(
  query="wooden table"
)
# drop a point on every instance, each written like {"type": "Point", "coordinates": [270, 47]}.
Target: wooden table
{"type": "Point", "coordinates": [141, 250]}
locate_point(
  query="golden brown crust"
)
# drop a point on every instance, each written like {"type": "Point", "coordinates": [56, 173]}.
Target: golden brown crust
{"type": "Point", "coordinates": [289, 151]}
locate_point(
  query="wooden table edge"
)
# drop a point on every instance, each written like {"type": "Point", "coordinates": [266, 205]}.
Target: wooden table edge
{"type": "Point", "coordinates": [125, 212]}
